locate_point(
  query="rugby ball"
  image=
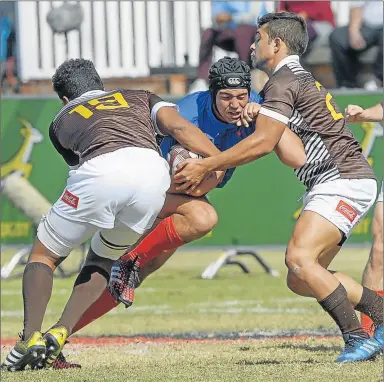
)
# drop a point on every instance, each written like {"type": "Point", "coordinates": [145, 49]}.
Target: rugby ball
{"type": "Point", "coordinates": [179, 154]}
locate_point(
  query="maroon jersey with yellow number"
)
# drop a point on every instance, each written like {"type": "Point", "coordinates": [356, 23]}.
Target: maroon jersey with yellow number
{"type": "Point", "coordinates": [294, 97]}
{"type": "Point", "coordinates": [99, 122]}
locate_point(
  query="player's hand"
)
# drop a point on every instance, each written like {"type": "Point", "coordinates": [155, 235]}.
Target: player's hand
{"type": "Point", "coordinates": [353, 113]}
{"type": "Point", "coordinates": [356, 40]}
{"type": "Point", "coordinates": [249, 114]}
{"type": "Point", "coordinates": [190, 173]}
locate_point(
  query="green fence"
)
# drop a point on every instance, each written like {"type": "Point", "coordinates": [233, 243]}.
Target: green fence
{"type": "Point", "coordinates": [257, 207]}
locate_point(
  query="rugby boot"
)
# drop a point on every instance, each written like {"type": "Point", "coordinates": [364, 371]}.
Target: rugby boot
{"type": "Point", "coordinates": [61, 363]}
{"type": "Point", "coordinates": [378, 335]}
{"type": "Point", "coordinates": [55, 340]}
{"type": "Point", "coordinates": [124, 279]}
{"type": "Point", "coordinates": [358, 348]}
{"type": "Point", "coordinates": [26, 352]}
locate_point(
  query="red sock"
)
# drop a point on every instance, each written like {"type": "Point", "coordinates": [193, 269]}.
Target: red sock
{"type": "Point", "coordinates": [101, 306]}
{"type": "Point", "coordinates": [366, 322]}
{"type": "Point", "coordinates": [163, 238]}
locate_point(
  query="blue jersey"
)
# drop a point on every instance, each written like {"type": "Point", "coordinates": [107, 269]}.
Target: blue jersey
{"type": "Point", "coordinates": [197, 108]}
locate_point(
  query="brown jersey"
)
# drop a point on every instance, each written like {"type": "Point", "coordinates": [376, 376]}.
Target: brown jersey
{"type": "Point", "coordinates": [99, 122]}
{"type": "Point", "coordinates": [295, 98]}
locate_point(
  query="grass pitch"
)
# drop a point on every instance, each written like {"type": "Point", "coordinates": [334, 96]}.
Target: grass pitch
{"type": "Point", "coordinates": [177, 300]}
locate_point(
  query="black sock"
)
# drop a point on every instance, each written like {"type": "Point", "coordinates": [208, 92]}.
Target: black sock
{"type": "Point", "coordinates": [341, 310]}
{"type": "Point", "coordinates": [371, 304]}
{"type": "Point", "coordinates": [89, 285]}
{"type": "Point", "coordinates": [37, 290]}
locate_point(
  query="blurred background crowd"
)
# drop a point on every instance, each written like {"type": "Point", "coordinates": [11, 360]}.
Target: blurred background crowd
{"type": "Point", "coordinates": [168, 47]}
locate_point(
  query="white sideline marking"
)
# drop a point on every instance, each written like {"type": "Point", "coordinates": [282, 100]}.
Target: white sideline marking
{"type": "Point", "coordinates": [226, 307]}
{"type": "Point", "coordinates": [18, 292]}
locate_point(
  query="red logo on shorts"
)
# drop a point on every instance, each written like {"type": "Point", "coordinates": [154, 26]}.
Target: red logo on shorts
{"type": "Point", "coordinates": [70, 199]}
{"type": "Point", "coordinates": [345, 209]}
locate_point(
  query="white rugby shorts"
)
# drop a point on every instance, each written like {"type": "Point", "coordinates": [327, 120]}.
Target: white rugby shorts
{"type": "Point", "coordinates": [380, 197]}
{"type": "Point", "coordinates": [128, 185]}
{"type": "Point", "coordinates": [344, 202]}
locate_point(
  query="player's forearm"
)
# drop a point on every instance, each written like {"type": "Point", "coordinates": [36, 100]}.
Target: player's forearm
{"type": "Point", "coordinates": [246, 151]}
{"type": "Point", "coordinates": [186, 133]}
{"type": "Point", "coordinates": [193, 139]}
{"type": "Point", "coordinates": [355, 19]}
{"type": "Point", "coordinates": [373, 114]}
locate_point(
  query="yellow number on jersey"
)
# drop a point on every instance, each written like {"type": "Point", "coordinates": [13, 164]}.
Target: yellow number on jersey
{"type": "Point", "coordinates": [328, 97]}
{"type": "Point", "coordinates": [108, 102]}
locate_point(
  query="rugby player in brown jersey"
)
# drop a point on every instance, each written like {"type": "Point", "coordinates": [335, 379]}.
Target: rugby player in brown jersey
{"type": "Point", "coordinates": [373, 272]}
{"type": "Point", "coordinates": [341, 186]}
{"type": "Point", "coordinates": [116, 187]}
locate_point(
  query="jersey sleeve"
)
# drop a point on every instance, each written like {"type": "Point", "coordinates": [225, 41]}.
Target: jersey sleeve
{"type": "Point", "coordinates": [155, 104]}
{"type": "Point", "coordinates": [189, 109]}
{"type": "Point", "coordinates": [279, 97]}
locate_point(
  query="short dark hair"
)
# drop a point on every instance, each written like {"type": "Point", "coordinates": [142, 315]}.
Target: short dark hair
{"type": "Point", "coordinates": [76, 77]}
{"type": "Point", "coordinates": [289, 27]}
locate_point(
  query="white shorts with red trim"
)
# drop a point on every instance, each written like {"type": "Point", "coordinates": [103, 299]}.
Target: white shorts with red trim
{"type": "Point", "coordinates": [128, 185]}
{"type": "Point", "coordinates": [344, 202]}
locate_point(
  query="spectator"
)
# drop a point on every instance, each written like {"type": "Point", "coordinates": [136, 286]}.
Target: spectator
{"type": "Point", "coordinates": [319, 18]}
{"type": "Point", "coordinates": [8, 72]}
{"type": "Point", "coordinates": [347, 43]}
{"type": "Point", "coordinates": [234, 29]}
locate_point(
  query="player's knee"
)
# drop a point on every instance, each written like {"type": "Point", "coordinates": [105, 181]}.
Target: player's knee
{"type": "Point", "coordinates": [203, 217]}
{"type": "Point", "coordinates": [297, 258]}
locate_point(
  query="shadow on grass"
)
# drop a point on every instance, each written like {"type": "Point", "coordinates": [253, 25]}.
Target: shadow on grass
{"type": "Point", "coordinates": [274, 362]}
{"type": "Point", "coordinates": [318, 348]}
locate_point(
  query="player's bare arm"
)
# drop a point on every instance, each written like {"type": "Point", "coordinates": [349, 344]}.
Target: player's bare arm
{"type": "Point", "coordinates": [290, 149]}
{"type": "Point", "coordinates": [187, 134]}
{"type": "Point", "coordinates": [355, 113]}
{"type": "Point", "coordinates": [262, 142]}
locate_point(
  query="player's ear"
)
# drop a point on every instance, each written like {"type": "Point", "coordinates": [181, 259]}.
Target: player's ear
{"type": "Point", "coordinates": [277, 45]}
{"type": "Point", "coordinates": [64, 100]}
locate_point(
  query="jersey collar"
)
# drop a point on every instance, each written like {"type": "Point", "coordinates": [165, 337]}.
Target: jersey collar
{"type": "Point", "coordinates": [286, 60]}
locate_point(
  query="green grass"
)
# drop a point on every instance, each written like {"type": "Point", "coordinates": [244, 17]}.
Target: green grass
{"type": "Point", "coordinates": [176, 299]}
{"type": "Point", "coordinates": [307, 361]}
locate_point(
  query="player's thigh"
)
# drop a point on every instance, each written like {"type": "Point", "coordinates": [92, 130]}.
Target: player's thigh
{"type": "Point", "coordinates": [61, 235]}
{"type": "Point", "coordinates": [377, 223]}
{"type": "Point", "coordinates": [376, 257]}
{"type": "Point", "coordinates": [331, 211]}
{"type": "Point", "coordinates": [313, 235]}
{"type": "Point", "coordinates": [146, 200]}
{"type": "Point", "coordinates": [196, 210]}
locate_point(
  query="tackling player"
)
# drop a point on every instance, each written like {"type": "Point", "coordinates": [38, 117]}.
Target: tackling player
{"type": "Point", "coordinates": [217, 113]}
{"type": "Point", "coordinates": [373, 272]}
{"type": "Point", "coordinates": [341, 185]}
{"type": "Point", "coordinates": [116, 187]}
